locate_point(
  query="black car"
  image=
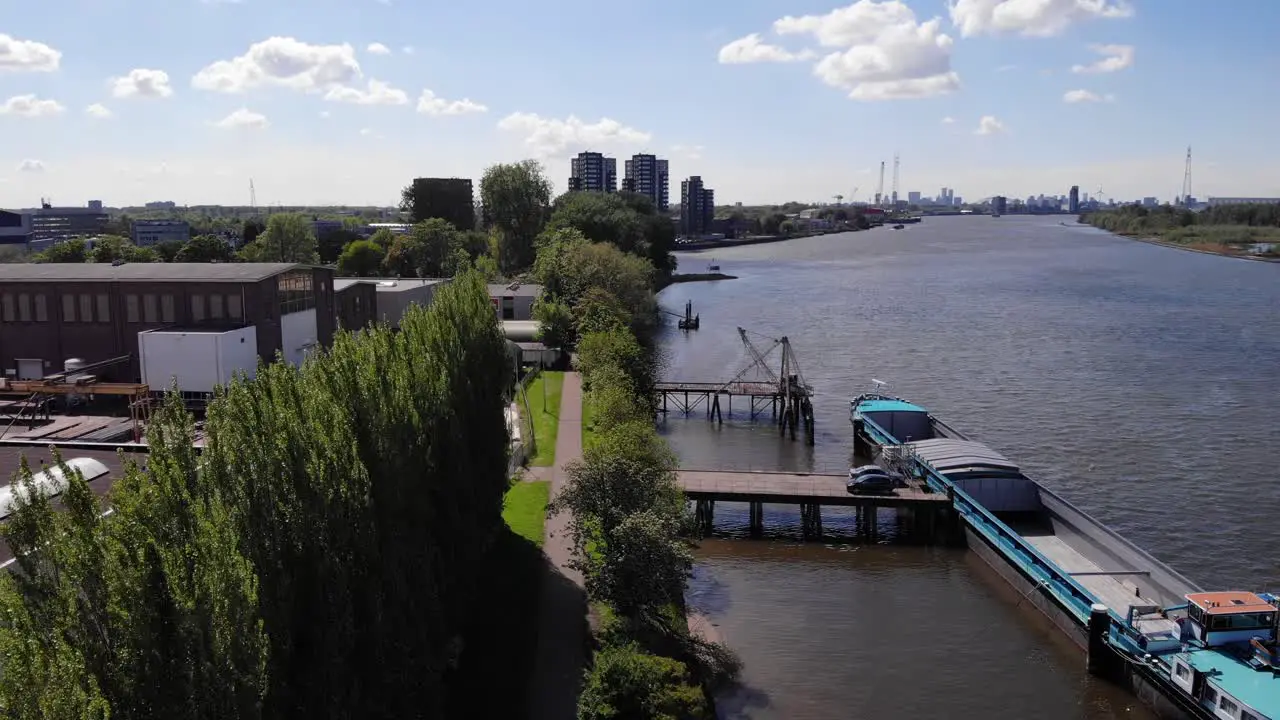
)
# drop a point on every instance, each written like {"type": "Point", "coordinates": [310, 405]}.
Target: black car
{"type": "Point", "coordinates": [872, 484]}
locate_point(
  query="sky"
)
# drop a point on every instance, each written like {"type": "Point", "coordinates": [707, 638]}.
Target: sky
{"type": "Point", "coordinates": [345, 101]}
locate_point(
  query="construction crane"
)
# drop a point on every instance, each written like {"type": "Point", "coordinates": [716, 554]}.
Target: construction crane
{"type": "Point", "coordinates": [853, 197]}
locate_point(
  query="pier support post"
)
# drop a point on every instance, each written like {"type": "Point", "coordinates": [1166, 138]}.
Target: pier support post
{"type": "Point", "coordinates": [1099, 657]}
{"type": "Point", "coordinates": [756, 511]}
{"type": "Point", "coordinates": [811, 521]}
{"type": "Point", "coordinates": [704, 512]}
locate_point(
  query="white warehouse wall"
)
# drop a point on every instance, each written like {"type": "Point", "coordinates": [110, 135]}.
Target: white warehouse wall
{"type": "Point", "coordinates": [297, 335]}
{"type": "Point", "coordinates": [199, 360]}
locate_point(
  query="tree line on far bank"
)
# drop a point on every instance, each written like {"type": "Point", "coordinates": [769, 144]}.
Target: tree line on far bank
{"type": "Point", "coordinates": [1137, 218]}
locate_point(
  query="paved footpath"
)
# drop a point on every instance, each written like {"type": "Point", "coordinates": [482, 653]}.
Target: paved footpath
{"type": "Point", "coordinates": [562, 615]}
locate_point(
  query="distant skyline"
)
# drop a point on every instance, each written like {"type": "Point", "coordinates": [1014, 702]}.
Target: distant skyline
{"type": "Point", "coordinates": [768, 100]}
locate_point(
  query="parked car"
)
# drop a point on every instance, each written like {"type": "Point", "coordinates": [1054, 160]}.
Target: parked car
{"type": "Point", "coordinates": [872, 484]}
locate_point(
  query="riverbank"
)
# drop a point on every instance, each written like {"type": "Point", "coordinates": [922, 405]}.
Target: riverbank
{"type": "Point", "coordinates": [700, 245]}
{"type": "Point", "coordinates": [693, 277]}
{"type": "Point", "coordinates": [1205, 248]}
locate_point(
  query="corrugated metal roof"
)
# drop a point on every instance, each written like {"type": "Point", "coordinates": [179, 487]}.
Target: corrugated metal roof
{"type": "Point", "coordinates": [388, 284]}
{"type": "Point", "coordinates": [142, 272]}
{"type": "Point", "coordinates": [945, 454]}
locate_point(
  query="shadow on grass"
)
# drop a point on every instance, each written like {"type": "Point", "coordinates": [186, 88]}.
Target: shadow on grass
{"type": "Point", "coordinates": [502, 673]}
{"type": "Point", "coordinates": [493, 672]}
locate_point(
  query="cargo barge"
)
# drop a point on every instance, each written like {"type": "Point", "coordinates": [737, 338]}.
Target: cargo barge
{"type": "Point", "coordinates": [1184, 652]}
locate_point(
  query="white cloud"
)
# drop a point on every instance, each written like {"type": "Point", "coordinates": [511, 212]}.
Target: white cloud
{"type": "Point", "coordinates": [407, 50]}
{"type": "Point", "coordinates": [688, 152]}
{"type": "Point", "coordinates": [883, 53]}
{"type": "Point", "coordinates": [989, 125]}
{"type": "Point", "coordinates": [27, 55]}
{"type": "Point", "coordinates": [378, 93]}
{"type": "Point", "coordinates": [1085, 96]}
{"type": "Point", "coordinates": [553, 137]}
{"type": "Point", "coordinates": [100, 111]}
{"type": "Point", "coordinates": [30, 106]}
{"type": "Point", "coordinates": [1033, 18]}
{"type": "Point", "coordinates": [429, 104]}
{"type": "Point", "coordinates": [378, 48]}
{"type": "Point", "coordinates": [143, 83]}
{"type": "Point", "coordinates": [752, 48]}
{"type": "Point", "coordinates": [324, 114]}
{"type": "Point", "coordinates": [284, 62]}
{"type": "Point", "coordinates": [948, 120]}
{"type": "Point", "coordinates": [243, 118]}
{"type": "Point", "coordinates": [31, 166]}
{"type": "Point", "coordinates": [1114, 58]}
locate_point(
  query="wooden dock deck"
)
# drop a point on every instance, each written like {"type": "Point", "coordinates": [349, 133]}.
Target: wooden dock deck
{"type": "Point", "coordinates": [792, 488]}
{"type": "Point", "coordinates": [932, 512]}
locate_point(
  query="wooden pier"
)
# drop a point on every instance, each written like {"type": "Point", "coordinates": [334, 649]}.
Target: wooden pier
{"type": "Point", "coordinates": [785, 395]}
{"type": "Point", "coordinates": [929, 510]}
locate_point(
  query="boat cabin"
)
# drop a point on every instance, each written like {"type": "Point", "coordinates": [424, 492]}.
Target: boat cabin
{"type": "Point", "coordinates": [1224, 618]}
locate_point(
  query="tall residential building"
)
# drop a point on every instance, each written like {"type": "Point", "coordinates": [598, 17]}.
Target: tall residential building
{"type": "Point", "coordinates": [1073, 203]}
{"type": "Point", "coordinates": [913, 197]}
{"type": "Point", "coordinates": [449, 199]}
{"type": "Point", "coordinates": [593, 171]}
{"type": "Point", "coordinates": [647, 175]}
{"type": "Point", "coordinates": [697, 207]}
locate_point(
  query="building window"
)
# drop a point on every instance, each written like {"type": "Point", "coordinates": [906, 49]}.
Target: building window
{"type": "Point", "coordinates": [149, 314]}
{"type": "Point", "coordinates": [295, 292]}
{"type": "Point", "coordinates": [1227, 705]}
{"type": "Point", "coordinates": [42, 312]}
{"type": "Point", "coordinates": [24, 307]}
{"type": "Point", "coordinates": [215, 307]}
{"type": "Point", "coordinates": [1182, 671]}
{"type": "Point", "coordinates": [197, 308]}
{"type": "Point", "coordinates": [68, 308]}
{"type": "Point", "coordinates": [235, 308]}
{"type": "Point", "coordinates": [7, 301]}
{"type": "Point", "coordinates": [168, 312]}
{"type": "Point", "coordinates": [104, 308]}
{"type": "Point", "coordinates": [86, 307]}
{"type": "Point", "coordinates": [508, 308]}
{"type": "Point", "coordinates": [131, 309]}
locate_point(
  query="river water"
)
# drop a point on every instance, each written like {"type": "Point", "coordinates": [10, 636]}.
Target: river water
{"type": "Point", "coordinates": [1138, 381]}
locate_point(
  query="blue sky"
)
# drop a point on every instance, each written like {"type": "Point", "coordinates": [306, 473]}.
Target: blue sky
{"type": "Point", "coordinates": [203, 96]}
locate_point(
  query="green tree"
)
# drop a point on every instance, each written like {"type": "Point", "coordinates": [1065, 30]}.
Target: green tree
{"type": "Point", "coordinates": [251, 229]}
{"type": "Point", "coordinates": [599, 311]}
{"type": "Point", "coordinates": [330, 244]}
{"type": "Point", "coordinates": [425, 251]}
{"type": "Point", "coordinates": [515, 199]}
{"type": "Point", "coordinates": [110, 248]}
{"type": "Point", "coordinates": [361, 258]}
{"type": "Point", "coordinates": [627, 683]}
{"type": "Point", "coordinates": [74, 250]}
{"type": "Point", "coordinates": [555, 320]}
{"type": "Point", "coordinates": [168, 250]}
{"type": "Point", "coordinates": [384, 238]}
{"type": "Point", "coordinates": [205, 249]}
{"type": "Point", "coordinates": [289, 238]}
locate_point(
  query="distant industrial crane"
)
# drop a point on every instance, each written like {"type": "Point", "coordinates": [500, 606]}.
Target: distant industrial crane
{"type": "Point", "coordinates": [838, 198]}
{"type": "Point", "coordinates": [853, 198]}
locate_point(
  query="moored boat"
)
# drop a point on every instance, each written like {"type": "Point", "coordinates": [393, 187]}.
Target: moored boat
{"type": "Point", "coordinates": [1184, 651]}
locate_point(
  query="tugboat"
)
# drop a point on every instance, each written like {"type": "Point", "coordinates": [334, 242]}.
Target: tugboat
{"type": "Point", "coordinates": [713, 267]}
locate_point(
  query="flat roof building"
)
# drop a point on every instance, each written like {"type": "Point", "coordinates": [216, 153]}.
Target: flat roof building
{"type": "Point", "coordinates": [147, 233]}
{"type": "Point", "coordinates": [593, 172]}
{"type": "Point", "coordinates": [94, 312]}
{"type": "Point", "coordinates": [648, 175]}
{"type": "Point", "coordinates": [515, 300]}
{"type": "Point", "coordinates": [393, 296]}
{"type": "Point", "coordinates": [57, 222]}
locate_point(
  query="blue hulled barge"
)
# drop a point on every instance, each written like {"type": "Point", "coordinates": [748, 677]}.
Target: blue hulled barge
{"type": "Point", "coordinates": [1185, 652]}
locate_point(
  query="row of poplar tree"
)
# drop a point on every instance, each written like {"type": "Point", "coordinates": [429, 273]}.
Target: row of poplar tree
{"type": "Point", "coordinates": [316, 560]}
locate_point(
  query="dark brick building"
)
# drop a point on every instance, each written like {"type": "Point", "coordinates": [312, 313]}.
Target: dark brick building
{"type": "Point", "coordinates": [450, 199]}
{"type": "Point", "coordinates": [52, 312]}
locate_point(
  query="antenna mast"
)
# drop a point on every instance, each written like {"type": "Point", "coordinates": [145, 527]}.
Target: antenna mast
{"type": "Point", "coordinates": [895, 181]}
{"type": "Point", "coordinates": [253, 196]}
{"type": "Point", "coordinates": [880, 187]}
{"type": "Point", "coordinates": [1186, 181]}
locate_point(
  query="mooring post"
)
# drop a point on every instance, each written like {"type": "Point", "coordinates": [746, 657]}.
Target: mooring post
{"type": "Point", "coordinates": [1099, 629]}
